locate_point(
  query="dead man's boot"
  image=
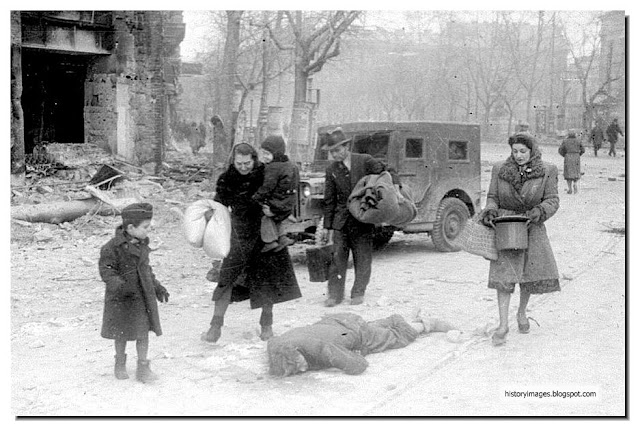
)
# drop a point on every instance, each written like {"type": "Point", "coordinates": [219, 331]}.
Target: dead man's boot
{"type": "Point", "coordinates": [120, 369]}
{"type": "Point", "coordinates": [144, 373]}
{"type": "Point", "coordinates": [215, 330]}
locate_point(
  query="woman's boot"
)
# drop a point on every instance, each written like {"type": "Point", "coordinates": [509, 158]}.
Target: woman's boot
{"type": "Point", "coordinates": [144, 373]}
{"type": "Point", "coordinates": [120, 369]}
{"type": "Point", "coordinates": [215, 330]}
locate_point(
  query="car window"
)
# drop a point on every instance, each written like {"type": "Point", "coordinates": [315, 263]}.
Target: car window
{"type": "Point", "coordinates": [413, 148]}
{"type": "Point", "coordinates": [458, 150]}
{"type": "Point", "coordinates": [374, 144]}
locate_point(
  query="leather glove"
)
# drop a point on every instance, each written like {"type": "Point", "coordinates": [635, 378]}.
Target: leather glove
{"type": "Point", "coordinates": [535, 215]}
{"type": "Point", "coordinates": [162, 294]}
{"type": "Point", "coordinates": [488, 217]}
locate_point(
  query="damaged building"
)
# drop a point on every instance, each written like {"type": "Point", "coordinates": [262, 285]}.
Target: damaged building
{"type": "Point", "coordinates": [107, 78]}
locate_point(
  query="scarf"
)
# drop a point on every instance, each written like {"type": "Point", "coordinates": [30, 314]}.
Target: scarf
{"type": "Point", "coordinates": [517, 175]}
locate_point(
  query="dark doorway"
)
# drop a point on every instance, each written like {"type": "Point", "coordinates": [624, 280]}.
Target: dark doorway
{"type": "Point", "coordinates": [53, 97]}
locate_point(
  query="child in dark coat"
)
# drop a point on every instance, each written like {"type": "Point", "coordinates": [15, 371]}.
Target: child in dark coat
{"type": "Point", "coordinates": [130, 307]}
{"type": "Point", "coordinates": [277, 193]}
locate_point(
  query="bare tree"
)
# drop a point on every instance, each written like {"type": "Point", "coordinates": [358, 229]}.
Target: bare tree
{"type": "Point", "coordinates": [315, 40]}
{"type": "Point", "coordinates": [229, 74]}
{"type": "Point", "coordinates": [585, 61]}
{"type": "Point", "coordinates": [525, 52]}
{"type": "Point", "coordinates": [487, 65]}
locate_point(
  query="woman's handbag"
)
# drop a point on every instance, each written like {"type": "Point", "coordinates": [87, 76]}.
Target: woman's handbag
{"type": "Point", "coordinates": [477, 238]}
{"type": "Point", "coordinates": [318, 262]}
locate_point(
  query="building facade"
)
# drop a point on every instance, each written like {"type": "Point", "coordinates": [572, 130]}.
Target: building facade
{"type": "Point", "coordinates": [102, 77]}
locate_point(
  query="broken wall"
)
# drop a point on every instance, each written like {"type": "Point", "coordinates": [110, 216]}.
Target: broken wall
{"type": "Point", "coordinates": [127, 95]}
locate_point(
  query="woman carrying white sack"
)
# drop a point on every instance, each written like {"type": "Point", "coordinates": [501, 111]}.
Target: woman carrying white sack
{"type": "Point", "coordinates": [246, 273]}
{"type": "Point", "coordinates": [207, 224]}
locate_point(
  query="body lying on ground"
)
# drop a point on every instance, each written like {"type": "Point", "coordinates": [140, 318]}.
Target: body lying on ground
{"type": "Point", "coordinates": [342, 340]}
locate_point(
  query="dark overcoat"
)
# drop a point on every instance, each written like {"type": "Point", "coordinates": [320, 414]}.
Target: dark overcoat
{"type": "Point", "coordinates": [511, 192]}
{"type": "Point", "coordinates": [261, 277]}
{"type": "Point", "coordinates": [339, 183]}
{"type": "Point", "coordinates": [597, 137]}
{"type": "Point", "coordinates": [130, 302]}
{"type": "Point", "coordinates": [613, 131]}
{"type": "Point", "coordinates": [571, 149]}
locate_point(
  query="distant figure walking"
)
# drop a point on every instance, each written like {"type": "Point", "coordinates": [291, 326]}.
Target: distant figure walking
{"type": "Point", "coordinates": [612, 135]}
{"type": "Point", "coordinates": [571, 149]}
{"type": "Point", "coordinates": [597, 137]}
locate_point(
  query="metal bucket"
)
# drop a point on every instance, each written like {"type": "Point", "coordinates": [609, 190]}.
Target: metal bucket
{"type": "Point", "coordinates": [511, 232]}
{"type": "Point", "coordinates": [318, 262]}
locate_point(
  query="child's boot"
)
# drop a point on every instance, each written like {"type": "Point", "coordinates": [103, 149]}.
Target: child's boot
{"type": "Point", "coordinates": [215, 330]}
{"type": "Point", "coordinates": [120, 369]}
{"type": "Point", "coordinates": [144, 373]}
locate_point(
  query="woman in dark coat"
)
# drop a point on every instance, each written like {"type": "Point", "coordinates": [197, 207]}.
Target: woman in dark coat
{"type": "Point", "coordinates": [524, 185]}
{"type": "Point", "coordinates": [597, 137]}
{"type": "Point", "coordinates": [571, 149]}
{"type": "Point", "coordinates": [263, 278]}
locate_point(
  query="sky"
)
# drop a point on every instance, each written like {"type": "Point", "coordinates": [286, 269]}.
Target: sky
{"type": "Point", "coordinates": [196, 30]}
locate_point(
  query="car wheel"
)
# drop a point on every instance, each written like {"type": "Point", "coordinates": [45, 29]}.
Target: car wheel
{"type": "Point", "coordinates": [450, 219]}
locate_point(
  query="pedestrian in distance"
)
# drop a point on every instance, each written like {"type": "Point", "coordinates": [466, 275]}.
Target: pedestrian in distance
{"type": "Point", "coordinates": [522, 185]}
{"type": "Point", "coordinates": [339, 225]}
{"type": "Point", "coordinates": [247, 273]}
{"type": "Point", "coordinates": [277, 194]}
{"type": "Point", "coordinates": [342, 340]}
{"type": "Point", "coordinates": [612, 135]}
{"type": "Point", "coordinates": [597, 137]}
{"type": "Point", "coordinates": [130, 307]}
{"type": "Point", "coordinates": [522, 127]}
{"type": "Point", "coordinates": [571, 149]}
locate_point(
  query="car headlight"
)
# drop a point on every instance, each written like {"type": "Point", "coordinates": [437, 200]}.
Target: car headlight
{"type": "Point", "coordinates": [306, 191]}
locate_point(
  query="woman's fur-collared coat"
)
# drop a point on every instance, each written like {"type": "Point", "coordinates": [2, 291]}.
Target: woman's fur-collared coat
{"type": "Point", "coordinates": [515, 190]}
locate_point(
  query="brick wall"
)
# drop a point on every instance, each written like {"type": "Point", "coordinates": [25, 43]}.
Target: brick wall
{"type": "Point", "coordinates": [127, 93]}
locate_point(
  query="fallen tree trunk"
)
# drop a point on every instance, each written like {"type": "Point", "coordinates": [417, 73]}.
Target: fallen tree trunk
{"type": "Point", "coordinates": [60, 212]}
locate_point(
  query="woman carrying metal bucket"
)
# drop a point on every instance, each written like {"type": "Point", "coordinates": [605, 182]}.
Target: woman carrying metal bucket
{"type": "Point", "coordinates": [522, 185]}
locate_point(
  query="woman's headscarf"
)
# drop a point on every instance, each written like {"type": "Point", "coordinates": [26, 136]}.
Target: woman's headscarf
{"type": "Point", "coordinates": [517, 174]}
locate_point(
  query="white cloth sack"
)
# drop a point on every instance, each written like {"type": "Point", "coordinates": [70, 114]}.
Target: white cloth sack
{"type": "Point", "coordinates": [194, 223]}
{"type": "Point", "coordinates": [217, 235]}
